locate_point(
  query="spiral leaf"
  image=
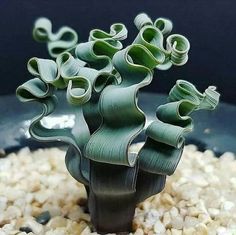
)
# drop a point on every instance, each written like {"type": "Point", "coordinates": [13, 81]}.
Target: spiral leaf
{"type": "Point", "coordinates": [64, 40]}
{"type": "Point", "coordinates": [34, 89]}
{"type": "Point", "coordinates": [142, 20]}
{"type": "Point", "coordinates": [152, 36]}
{"type": "Point", "coordinates": [40, 90]}
{"type": "Point", "coordinates": [118, 32]}
{"type": "Point", "coordinates": [46, 70]}
{"type": "Point", "coordinates": [164, 25]}
{"type": "Point", "coordinates": [162, 150]}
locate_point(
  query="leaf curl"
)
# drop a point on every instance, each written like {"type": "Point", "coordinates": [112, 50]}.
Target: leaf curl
{"type": "Point", "coordinates": [185, 90]}
{"type": "Point", "coordinates": [78, 91]}
{"type": "Point", "coordinates": [165, 137]}
{"type": "Point", "coordinates": [118, 32]}
{"type": "Point", "coordinates": [141, 20]}
{"type": "Point", "coordinates": [40, 90]}
{"type": "Point", "coordinates": [164, 25]}
{"type": "Point", "coordinates": [152, 36]}
{"type": "Point", "coordinates": [34, 89]}
{"type": "Point", "coordinates": [98, 53]}
{"type": "Point", "coordinates": [46, 70]}
{"type": "Point", "coordinates": [63, 40]}
{"type": "Point", "coordinates": [81, 79]}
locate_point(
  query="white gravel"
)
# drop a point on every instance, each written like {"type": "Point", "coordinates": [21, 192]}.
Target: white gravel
{"type": "Point", "coordinates": [200, 198]}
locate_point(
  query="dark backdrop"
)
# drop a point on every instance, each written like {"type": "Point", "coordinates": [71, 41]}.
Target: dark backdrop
{"type": "Point", "coordinates": [208, 24]}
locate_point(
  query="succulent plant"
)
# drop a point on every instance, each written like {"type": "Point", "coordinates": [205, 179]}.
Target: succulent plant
{"type": "Point", "coordinates": [102, 80]}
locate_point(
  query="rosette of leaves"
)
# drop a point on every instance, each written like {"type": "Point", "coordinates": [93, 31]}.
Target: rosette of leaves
{"type": "Point", "coordinates": [101, 80]}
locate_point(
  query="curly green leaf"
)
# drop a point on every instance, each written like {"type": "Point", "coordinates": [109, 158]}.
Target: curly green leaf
{"type": "Point", "coordinates": [164, 145]}
{"type": "Point", "coordinates": [63, 40]}
{"type": "Point", "coordinates": [152, 36]}
{"type": "Point", "coordinates": [46, 70]}
{"type": "Point", "coordinates": [118, 32]}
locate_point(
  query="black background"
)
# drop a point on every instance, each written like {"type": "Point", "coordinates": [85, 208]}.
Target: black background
{"type": "Point", "coordinates": [210, 26]}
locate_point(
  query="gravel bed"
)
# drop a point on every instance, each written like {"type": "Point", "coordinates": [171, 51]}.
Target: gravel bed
{"type": "Point", "coordinates": [38, 196]}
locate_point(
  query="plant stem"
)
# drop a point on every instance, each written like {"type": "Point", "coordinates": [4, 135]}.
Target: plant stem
{"type": "Point", "coordinates": [112, 208]}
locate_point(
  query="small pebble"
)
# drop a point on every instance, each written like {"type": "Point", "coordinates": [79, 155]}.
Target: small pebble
{"type": "Point", "coordinates": [213, 212]}
{"type": "Point", "coordinates": [25, 229]}
{"type": "Point", "coordinates": [227, 205]}
{"type": "Point", "coordinates": [43, 218]}
{"type": "Point", "coordinates": [56, 222]}
{"type": "Point", "coordinates": [177, 222]}
{"type": "Point", "coordinates": [190, 222]}
{"type": "Point", "coordinates": [159, 228]}
{"type": "Point", "coordinates": [176, 232]}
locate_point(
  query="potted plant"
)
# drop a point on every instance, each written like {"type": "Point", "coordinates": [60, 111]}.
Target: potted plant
{"type": "Point", "coordinates": [102, 80]}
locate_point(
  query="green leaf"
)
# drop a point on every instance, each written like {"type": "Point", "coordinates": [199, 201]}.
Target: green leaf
{"type": "Point", "coordinates": [63, 40]}
{"type": "Point", "coordinates": [165, 137]}
{"type": "Point", "coordinates": [118, 32]}
{"type": "Point", "coordinates": [152, 36]}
